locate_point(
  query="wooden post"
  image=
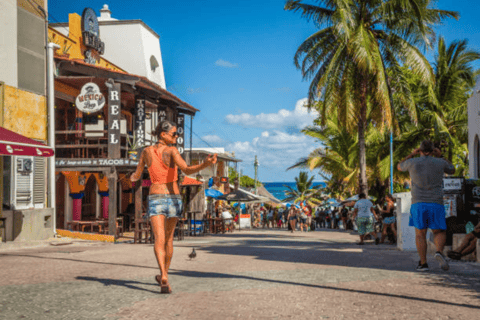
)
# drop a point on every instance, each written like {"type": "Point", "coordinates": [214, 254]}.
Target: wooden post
{"type": "Point", "coordinates": [112, 204]}
{"type": "Point", "coordinates": [138, 208]}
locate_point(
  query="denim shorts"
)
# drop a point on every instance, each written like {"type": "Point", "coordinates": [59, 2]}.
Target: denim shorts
{"type": "Point", "coordinates": [425, 215]}
{"type": "Point", "coordinates": [170, 206]}
{"type": "Point", "coordinates": [388, 220]}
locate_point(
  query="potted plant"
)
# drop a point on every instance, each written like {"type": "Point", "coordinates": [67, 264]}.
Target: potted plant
{"type": "Point", "coordinates": [133, 147]}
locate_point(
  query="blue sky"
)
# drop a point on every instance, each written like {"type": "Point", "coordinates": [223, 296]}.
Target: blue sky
{"type": "Point", "coordinates": [233, 60]}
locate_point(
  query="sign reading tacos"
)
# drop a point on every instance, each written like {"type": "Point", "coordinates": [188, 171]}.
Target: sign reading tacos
{"type": "Point", "coordinates": [90, 99]}
{"type": "Point", "coordinates": [91, 31]}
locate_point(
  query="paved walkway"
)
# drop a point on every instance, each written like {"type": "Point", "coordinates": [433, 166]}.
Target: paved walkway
{"type": "Point", "coordinates": [260, 274]}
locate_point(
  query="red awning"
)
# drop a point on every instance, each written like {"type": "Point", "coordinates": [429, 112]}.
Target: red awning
{"type": "Point", "coordinates": [14, 144]}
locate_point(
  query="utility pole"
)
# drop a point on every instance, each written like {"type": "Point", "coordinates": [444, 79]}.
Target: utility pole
{"type": "Point", "coordinates": [255, 165]}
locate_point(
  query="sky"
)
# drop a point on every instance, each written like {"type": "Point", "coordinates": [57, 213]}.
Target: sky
{"type": "Point", "coordinates": [233, 60]}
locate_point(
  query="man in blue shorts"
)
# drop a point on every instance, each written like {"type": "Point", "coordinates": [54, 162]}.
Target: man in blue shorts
{"type": "Point", "coordinates": [427, 211]}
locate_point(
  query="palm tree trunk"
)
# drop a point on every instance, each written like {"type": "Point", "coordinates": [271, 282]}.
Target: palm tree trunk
{"type": "Point", "coordinates": [362, 122]}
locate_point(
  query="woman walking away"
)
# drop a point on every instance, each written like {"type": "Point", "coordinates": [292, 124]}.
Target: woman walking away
{"type": "Point", "coordinates": [164, 201]}
{"type": "Point", "coordinates": [292, 218]}
{"type": "Point", "coordinates": [389, 218]}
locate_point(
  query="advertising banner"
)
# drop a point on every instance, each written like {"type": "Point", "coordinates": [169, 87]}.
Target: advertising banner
{"type": "Point", "coordinates": [245, 221]}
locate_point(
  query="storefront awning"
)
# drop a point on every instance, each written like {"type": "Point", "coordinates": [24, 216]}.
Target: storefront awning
{"type": "Point", "coordinates": [14, 144]}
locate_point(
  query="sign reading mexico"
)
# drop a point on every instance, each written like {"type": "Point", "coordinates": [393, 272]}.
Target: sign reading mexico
{"type": "Point", "coordinates": [90, 99]}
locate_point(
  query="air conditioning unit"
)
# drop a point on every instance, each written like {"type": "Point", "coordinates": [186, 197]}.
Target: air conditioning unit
{"type": "Point", "coordinates": [24, 182]}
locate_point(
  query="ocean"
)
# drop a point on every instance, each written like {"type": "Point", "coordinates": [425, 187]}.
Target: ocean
{"type": "Point", "coordinates": [277, 189]}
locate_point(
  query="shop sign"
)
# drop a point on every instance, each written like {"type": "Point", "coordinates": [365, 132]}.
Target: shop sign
{"type": "Point", "coordinates": [453, 185]}
{"type": "Point", "coordinates": [114, 120]}
{"type": "Point", "coordinates": [140, 121]}
{"type": "Point", "coordinates": [162, 114]}
{"type": "Point", "coordinates": [181, 134]}
{"type": "Point", "coordinates": [90, 99]}
{"type": "Point", "coordinates": [91, 31]}
{"type": "Point", "coordinates": [94, 162]}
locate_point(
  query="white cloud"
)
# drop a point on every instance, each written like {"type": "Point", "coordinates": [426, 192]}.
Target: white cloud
{"type": "Point", "coordinates": [275, 149]}
{"type": "Point", "coordinates": [226, 64]}
{"type": "Point", "coordinates": [212, 138]}
{"type": "Point", "coordinates": [300, 117]}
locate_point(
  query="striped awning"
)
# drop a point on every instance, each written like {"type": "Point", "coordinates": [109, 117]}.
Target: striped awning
{"type": "Point", "coordinates": [14, 144]}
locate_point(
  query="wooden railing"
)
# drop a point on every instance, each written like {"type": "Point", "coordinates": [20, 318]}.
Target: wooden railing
{"type": "Point", "coordinates": [88, 144]}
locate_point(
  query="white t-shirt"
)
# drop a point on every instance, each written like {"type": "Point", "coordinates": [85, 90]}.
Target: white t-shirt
{"type": "Point", "coordinates": [270, 214]}
{"type": "Point", "coordinates": [364, 206]}
{"type": "Point", "coordinates": [226, 215]}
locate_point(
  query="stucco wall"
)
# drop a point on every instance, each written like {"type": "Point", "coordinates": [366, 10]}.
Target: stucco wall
{"type": "Point", "coordinates": [25, 113]}
{"type": "Point", "coordinates": [8, 43]}
{"type": "Point", "coordinates": [473, 129]}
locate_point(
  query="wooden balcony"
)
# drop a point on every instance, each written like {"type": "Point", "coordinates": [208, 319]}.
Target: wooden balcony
{"type": "Point", "coordinates": [91, 144]}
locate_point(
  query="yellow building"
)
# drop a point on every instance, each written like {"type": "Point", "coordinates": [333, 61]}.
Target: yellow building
{"type": "Point", "coordinates": [23, 111]}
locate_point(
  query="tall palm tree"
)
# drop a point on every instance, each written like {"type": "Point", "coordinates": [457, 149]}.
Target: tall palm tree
{"type": "Point", "coordinates": [443, 115]}
{"type": "Point", "coordinates": [305, 190]}
{"type": "Point", "coordinates": [347, 60]}
{"type": "Point", "coordinates": [337, 159]}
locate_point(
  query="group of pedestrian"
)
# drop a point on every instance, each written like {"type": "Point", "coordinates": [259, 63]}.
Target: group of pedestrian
{"type": "Point", "coordinates": [427, 211]}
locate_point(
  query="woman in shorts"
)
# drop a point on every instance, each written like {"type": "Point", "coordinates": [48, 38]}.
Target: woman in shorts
{"type": "Point", "coordinates": [388, 218]}
{"type": "Point", "coordinates": [164, 201]}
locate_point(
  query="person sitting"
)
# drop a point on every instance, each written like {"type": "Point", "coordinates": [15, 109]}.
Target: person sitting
{"type": "Point", "coordinates": [468, 245]}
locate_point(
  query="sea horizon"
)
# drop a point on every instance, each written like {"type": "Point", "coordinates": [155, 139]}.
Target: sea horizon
{"type": "Point", "coordinates": [278, 189]}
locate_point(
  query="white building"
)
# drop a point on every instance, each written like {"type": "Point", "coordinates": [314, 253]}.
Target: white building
{"type": "Point", "coordinates": [120, 36]}
{"type": "Point", "coordinates": [474, 133]}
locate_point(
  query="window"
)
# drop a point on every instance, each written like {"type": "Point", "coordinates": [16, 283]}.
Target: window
{"type": "Point", "coordinates": [154, 63]}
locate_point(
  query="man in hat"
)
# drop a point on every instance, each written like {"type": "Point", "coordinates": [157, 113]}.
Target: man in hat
{"type": "Point", "coordinates": [427, 210]}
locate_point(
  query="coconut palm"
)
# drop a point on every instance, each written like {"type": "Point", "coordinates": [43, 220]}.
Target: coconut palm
{"type": "Point", "coordinates": [336, 160]}
{"type": "Point", "coordinates": [444, 117]}
{"type": "Point", "coordinates": [347, 59]}
{"type": "Point", "coordinates": [305, 191]}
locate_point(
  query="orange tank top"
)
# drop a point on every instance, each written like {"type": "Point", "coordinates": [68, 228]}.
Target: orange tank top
{"type": "Point", "coordinates": [159, 172]}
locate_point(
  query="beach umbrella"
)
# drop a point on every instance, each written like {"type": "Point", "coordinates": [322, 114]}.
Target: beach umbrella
{"type": "Point", "coordinates": [212, 193]}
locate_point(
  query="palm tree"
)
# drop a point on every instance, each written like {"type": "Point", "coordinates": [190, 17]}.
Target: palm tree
{"type": "Point", "coordinates": [442, 116]}
{"type": "Point", "coordinates": [304, 191]}
{"type": "Point", "coordinates": [347, 60]}
{"type": "Point", "coordinates": [336, 160]}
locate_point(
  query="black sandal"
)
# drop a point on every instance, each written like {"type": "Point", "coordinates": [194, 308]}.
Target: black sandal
{"type": "Point", "coordinates": [454, 255]}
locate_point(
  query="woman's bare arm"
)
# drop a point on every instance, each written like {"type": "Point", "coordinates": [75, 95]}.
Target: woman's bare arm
{"type": "Point", "coordinates": [141, 165]}
{"type": "Point", "coordinates": [177, 158]}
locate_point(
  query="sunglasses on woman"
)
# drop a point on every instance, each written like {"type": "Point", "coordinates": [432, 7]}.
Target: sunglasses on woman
{"type": "Point", "coordinates": [175, 134]}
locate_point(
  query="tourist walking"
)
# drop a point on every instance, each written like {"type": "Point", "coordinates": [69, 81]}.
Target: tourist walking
{"type": "Point", "coordinates": [292, 218]}
{"type": "Point", "coordinates": [388, 219]}
{"type": "Point", "coordinates": [344, 217]}
{"type": "Point", "coordinates": [363, 211]}
{"type": "Point", "coordinates": [164, 201]}
{"type": "Point", "coordinates": [427, 210]}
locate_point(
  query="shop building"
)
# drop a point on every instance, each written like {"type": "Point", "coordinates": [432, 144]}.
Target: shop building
{"type": "Point", "coordinates": [104, 114]}
{"type": "Point", "coordinates": [474, 133]}
{"type": "Point", "coordinates": [25, 211]}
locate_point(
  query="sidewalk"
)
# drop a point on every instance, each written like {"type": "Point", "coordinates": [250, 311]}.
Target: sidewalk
{"type": "Point", "coordinates": [260, 274]}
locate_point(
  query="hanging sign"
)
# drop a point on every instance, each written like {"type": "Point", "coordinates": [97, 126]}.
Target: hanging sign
{"type": "Point", "coordinates": [91, 31]}
{"type": "Point", "coordinates": [90, 99]}
{"type": "Point", "coordinates": [114, 120]}
{"type": "Point", "coordinates": [162, 114]}
{"type": "Point", "coordinates": [139, 122]}
{"type": "Point", "coordinates": [181, 134]}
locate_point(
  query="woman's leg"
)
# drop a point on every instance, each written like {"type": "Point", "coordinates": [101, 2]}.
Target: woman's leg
{"type": "Point", "coordinates": [170, 231]}
{"type": "Point", "coordinates": [394, 230]}
{"type": "Point", "coordinates": [158, 225]}
{"type": "Point", "coordinates": [384, 233]}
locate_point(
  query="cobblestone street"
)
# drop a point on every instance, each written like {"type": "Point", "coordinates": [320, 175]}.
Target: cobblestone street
{"type": "Point", "coordinates": [260, 274]}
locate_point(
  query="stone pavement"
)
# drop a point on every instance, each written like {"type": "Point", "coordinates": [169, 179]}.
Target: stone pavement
{"type": "Point", "coordinates": [261, 274]}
